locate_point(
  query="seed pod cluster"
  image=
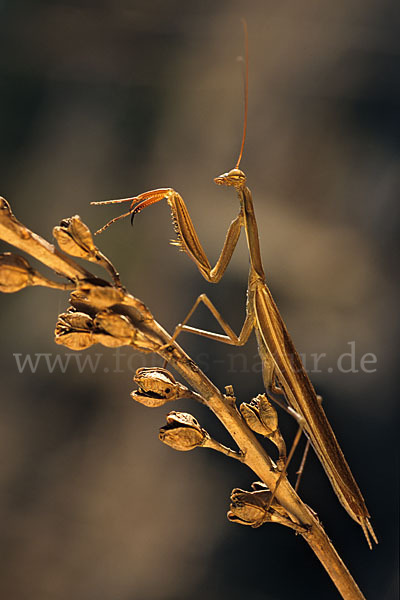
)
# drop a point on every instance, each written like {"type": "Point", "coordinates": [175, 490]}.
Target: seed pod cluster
{"type": "Point", "coordinates": [78, 330]}
{"type": "Point", "coordinates": [103, 305]}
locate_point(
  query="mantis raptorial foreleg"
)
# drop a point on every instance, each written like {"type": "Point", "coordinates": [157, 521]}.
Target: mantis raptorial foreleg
{"type": "Point", "coordinates": [187, 239]}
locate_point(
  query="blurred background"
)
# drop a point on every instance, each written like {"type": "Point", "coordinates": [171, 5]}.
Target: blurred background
{"type": "Point", "coordinates": [108, 99]}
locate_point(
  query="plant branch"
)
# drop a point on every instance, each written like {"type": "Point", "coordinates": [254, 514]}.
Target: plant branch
{"type": "Point", "coordinates": [106, 313]}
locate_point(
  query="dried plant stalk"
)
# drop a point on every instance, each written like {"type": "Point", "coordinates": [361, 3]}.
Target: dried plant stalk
{"type": "Point", "coordinates": [106, 313]}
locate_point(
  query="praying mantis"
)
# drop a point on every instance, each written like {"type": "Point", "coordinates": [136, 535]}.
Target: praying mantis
{"type": "Point", "coordinates": [283, 371]}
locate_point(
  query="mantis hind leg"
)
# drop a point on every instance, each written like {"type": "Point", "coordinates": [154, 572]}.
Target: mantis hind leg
{"type": "Point", "coordinates": [300, 470]}
{"type": "Point", "coordinates": [229, 337]}
{"type": "Point", "coordinates": [283, 472]}
{"type": "Point", "coordinates": [296, 440]}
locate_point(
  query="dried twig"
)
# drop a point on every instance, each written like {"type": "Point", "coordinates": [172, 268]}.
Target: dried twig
{"type": "Point", "coordinates": [106, 313]}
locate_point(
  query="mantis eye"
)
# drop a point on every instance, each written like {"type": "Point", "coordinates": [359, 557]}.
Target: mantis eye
{"type": "Point", "coordinates": [235, 177]}
{"type": "Point", "coordinates": [236, 174]}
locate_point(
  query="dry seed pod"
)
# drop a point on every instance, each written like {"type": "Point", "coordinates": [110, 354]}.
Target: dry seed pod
{"type": "Point", "coordinates": [15, 272]}
{"type": "Point", "coordinates": [254, 509]}
{"type": "Point", "coordinates": [100, 296]}
{"type": "Point", "coordinates": [74, 330]}
{"type": "Point", "coordinates": [156, 386]}
{"type": "Point", "coordinates": [262, 418]}
{"type": "Point", "coordinates": [75, 238]}
{"type": "Point", "coordinates": [182, 432]}
{"type": "Point", "coordinates": [138, 339]}
{"type": "Point", "coordinates": [111, 328]}
{"type": "Point", "coordinates": [248, 508]}
{"type": "Point", "coordinates": [75, 320]}
{"type": "Point", "coordinates": [114, 324]}
{"type": "Point", "coordinates": [75, 340]}
{"type": "Point", "coordinates": [260, 415]}
{"type": "Point", "coordinates": [267, 412]}
{"type": "Point", "coordinates": [251, 415]}
{"type": "Point", "coordinates": [108, 340]}
{"type": "Point", "coordinates": [78, 331]}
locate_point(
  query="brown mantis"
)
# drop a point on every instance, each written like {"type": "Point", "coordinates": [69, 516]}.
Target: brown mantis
{"type": "Point", "coordinates": [283, 371]}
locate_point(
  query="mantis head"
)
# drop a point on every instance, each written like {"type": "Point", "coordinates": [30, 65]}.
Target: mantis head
{"type": "Point", "coordinates": [235, 178]}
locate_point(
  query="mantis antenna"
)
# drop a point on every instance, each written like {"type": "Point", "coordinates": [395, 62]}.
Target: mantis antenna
{"type": "Point", "coordinates": [246, 89]}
